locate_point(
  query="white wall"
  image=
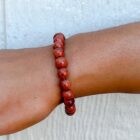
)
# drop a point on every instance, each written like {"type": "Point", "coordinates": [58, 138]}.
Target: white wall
{"type": "Point", "coordinates": [32, 23]}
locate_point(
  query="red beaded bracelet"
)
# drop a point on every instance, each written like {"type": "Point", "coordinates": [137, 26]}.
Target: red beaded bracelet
{"type": "Point", "coordinates": [62, 72]}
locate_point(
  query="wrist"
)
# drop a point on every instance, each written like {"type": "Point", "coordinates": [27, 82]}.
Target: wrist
{"type": "Point", "coordinates": [48, 75]}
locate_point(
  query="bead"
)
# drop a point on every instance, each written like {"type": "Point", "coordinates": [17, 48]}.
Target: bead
{"type": "Point", "coordinates": [69, 102]}
{"type": "Point", "coordinates": [58, 52]}
{"type": "Point", "coordinates": [62, 73]}
{"type": "Point", "coordinates": [61, 62]}
{"type": "Point", "coordinates": [58, 40]}
{"type": "Point", "coordinates": [59, 35]}
{"type": "Point", "coordinates": [70, 110]}
{"type": "Point", "coordinates": [65, 84]}
{"type": "Point", "coordinates": [58, 45]}
{"type": "Point", "coordinates": [68, 94]}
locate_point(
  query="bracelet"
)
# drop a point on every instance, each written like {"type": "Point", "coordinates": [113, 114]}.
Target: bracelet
{"type": "Point", "coordinates": [61, 64]}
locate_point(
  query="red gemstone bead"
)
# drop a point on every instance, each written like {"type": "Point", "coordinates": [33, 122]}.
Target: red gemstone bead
{"type": "Point", "coordinates": [65, 84]}
{"type": "Point", "coordinates": [70, 110]}
{"type": "Point", "coordinates": [58, 52]}
{"type": "Point", "coordinates": [58, 45]}
{"type": "Point", "coordinates": [58, 40]}
{"type": "Point", "coordinates": [62, 73]}
{"type": "Point", "coordinates": [69, 102]}
{"type": "Point", "coordinates": [68, 94]}
{"type": "Point", "coordinates": [61, 62]}
{"type": "Point", "coordinates": [59, 35]}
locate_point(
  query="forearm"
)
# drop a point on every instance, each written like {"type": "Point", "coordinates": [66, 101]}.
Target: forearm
{"type": "Point", "coordinates": [105, 61]}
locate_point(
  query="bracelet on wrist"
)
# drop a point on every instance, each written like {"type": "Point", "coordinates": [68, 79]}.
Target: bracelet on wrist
{"type": "Point", "coordinates": [61, 64]}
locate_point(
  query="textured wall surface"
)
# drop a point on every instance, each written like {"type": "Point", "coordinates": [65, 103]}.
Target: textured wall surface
{"type": "Point", "coordinates": [32, 23]}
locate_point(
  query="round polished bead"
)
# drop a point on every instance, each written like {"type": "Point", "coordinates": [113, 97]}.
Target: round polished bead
{"type": "Point", "coordinates": [69, 102]}
{"type": "Point", "coordinates": [65, 84]}
{"type": "Point", "coordinates": [68, 94]}
{"type": "Point", "coordinates": [59, 40]}
{"type": "Point", "coordinates": [62, 73]}
{"type": "Point", "coordinates": [59, 35]}
{"type": "Point", "coordinates": [61, 62]}
{"type": "Point", "coordinates": [58, 45]}
{"type": "Point", "coordinates": [58, 52]}
{"type": "Point", "coordinates": [70, 110]}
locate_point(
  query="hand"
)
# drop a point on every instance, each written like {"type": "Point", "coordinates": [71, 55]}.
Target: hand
{"type": "Point", "coordinates": [28, 91]}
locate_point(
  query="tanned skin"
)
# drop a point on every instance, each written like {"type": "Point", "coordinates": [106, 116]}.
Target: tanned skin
{"type": "Point", "coordinates": [106, 61]}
